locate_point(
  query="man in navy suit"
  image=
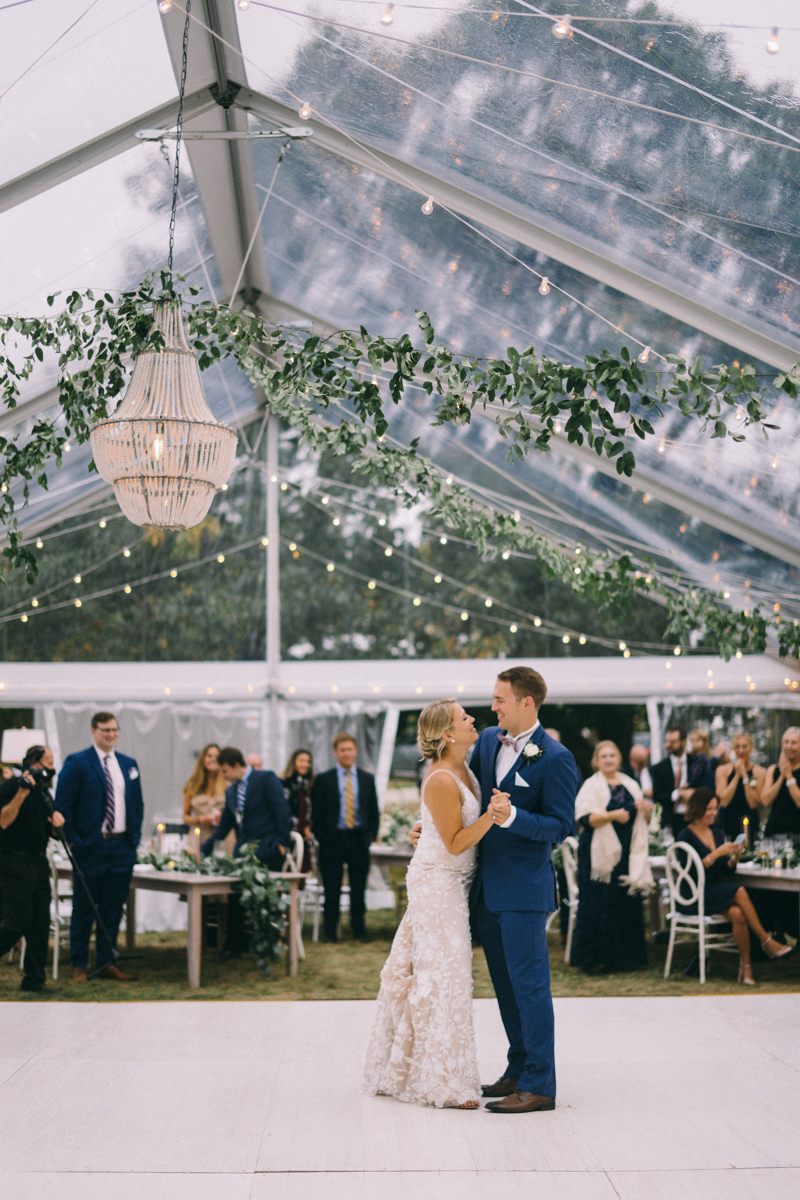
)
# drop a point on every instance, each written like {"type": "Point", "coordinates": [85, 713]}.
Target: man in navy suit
{"type": "Point", "coordinates": [256, 807]}
{"type": "Point", "coordinates": [530, 781]}
{"type": "Point", "coordinates": [99, 793]}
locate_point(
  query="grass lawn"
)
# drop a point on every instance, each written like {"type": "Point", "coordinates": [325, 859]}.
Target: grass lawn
{"type": "Point", "coordinates": [350, 971]}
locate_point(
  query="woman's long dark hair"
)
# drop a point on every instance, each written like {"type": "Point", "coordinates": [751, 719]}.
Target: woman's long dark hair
{"type": "Point", "coordinates": [291, 766]}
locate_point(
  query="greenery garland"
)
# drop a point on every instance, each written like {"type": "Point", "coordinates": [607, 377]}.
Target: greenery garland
{"type": "Point", "coordinates": [263, 900]}
{"type": "Point", "coordinates": [305, 378]}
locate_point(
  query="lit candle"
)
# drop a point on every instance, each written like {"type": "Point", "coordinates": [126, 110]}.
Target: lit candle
{"type": "Point", "coordinates": [746, 830]}
{"type": "Point", "coordinates": [778, 864]}
{"type": "Point", "coordinates": [160, 829]}
{"type": "Point", "coordinates": [197, 843]}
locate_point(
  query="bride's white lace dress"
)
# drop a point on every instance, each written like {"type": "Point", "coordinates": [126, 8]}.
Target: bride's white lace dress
{"type": "Point", "coordinates": [422, 1046]}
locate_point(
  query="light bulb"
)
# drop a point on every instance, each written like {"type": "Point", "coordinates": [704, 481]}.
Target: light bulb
{"type": "Point", "coordinates": [544, 286]}
{"type": "Point", "coordinates": [77, 578]}
{"type": "Point", "coordinates": [562, 28]}
{"type": "Point", "coordinates": [773, 46]}
{"type": "Point", "coordinates": [488, 602]}
{"type": "Point", "coordinates": [506, 555]}
{"type": "Point", "coordinates": [437, 579]}
{"type": "Point", "coordinates": [582, 641]}
{"type": "Point", "coordinates": [331, 567]}
{"type": "Point", "coordinates": [126, 553]}
{"type": "Point", "coordinates": [173, 574]}
{"type": "Point", "coordinates": [67, 447]}
{"type": "Point", "coordinates": [774, 464]}
{"type": "Point", "coordinates": [676, 651]}
{"type": "Point", "coordinates": [388, 552]}
{"type": "Point", "coordinates": [158, 446]}
{"type": "Point", "coordinates": [77, 603]}
{"type": "Point", "coordinates": [326, 499]}
{"type": "Point", "coordinates": [626, 654]}
{"type": "Point", "coordinates": [645, 355]}
{"type": "Point", "coordinates": [220, 558]}
{"type": "Point", "coordinates": [512, 629]}
{"type": "Point", "coordinates": [442, 541]}
{"type": "Point", "coordinates": [388, 16]}
{"type": "Point", "coordinates": [127, 589]}
{"type": "Point", "coordinates": [622, 646]}
{"type": "Point", "coordinates": [417, 602]}
{"type": "Point", "coordinates": [265, 542]}
{"type": "Point", "coordinates": [102, 524]}
{"type": "Point", "coordinates": [164, 6]}
{"type": "Point", "coordinates": [565, 639]}
{"type": "Point", "coordinates": [372, 585]}
{"type": "Point", "coordinates": [24, 619]}
{"type": "Point", "coordinates": [243, 5]}
{"type": "Point", "coordinates": [465, 616]}
{"type": "Point", "coordinates": [305, 111]}
{"type": "Point", "coordinates": [537, 621]}
{"type": "Point", "coordinates": [39, 543]}
{"type": "Point", "coordinates": [336, 521]}
{"type": "Point", "coordinates": [34, 603]}
{"type": "Point", "coordinates": [427, 207]}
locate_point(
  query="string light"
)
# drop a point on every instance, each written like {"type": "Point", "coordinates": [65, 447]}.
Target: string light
{"type": "Point", "coordinates": [449, 479]}
{"type": "Point", "coordinates": [437, 579]}
{"type": "Point", "coordinates": [622, 646]}
{"type": "Point", "coordinates": [774, 464]}
{"type": "Point", "coordinates": [77, 604]}
{"type": "Point", "coordinates": [331, 566]}
{"type": "Point", "coordinates": [67, 447]}
{"type": "Point", "coordinates": [388, 16]}
{"type": "Point", "coordinates": [39, 543]}
{"type": "Point", "coordinates": [102, 524]}
{"type": "Point", "coordinates": [381, 520]}
{"type": "Point", "coordinates": [372, 585]}
{"type": "Point", "coordinates": [173, 574]}
{"type": "Point", "coordinates": [442, 541]}
{"type": "Point", "coordinates": [488, 602]}
{"type": "Point", "coordinates": [78, 578]}
{"type": "Point", "coordinates": [465, 616]}
{"type": "Point", "coordinates": [34, 603]}
{"type": "Point", "coordinates": [627, 654]}
{"type": "Point", "coordinates": [127, 589]}
{"type": "Point", "coordinates": [220, 558]}
{"type": "Point", "coordinates": [544, 286]}
{"type": "Point", "coordinates": [336, 521]}
{"type": "Point", "coordinates": [676, 651]}
{"type": "Point", "coordinates": [582, 640]}
{"type": "Point", "coordinates": [284, 486]}
{"type": "Point", "coordinates": [164, 6]}
{"type": "Point", "coordinates": [506, 555]}
{"type": "Point", "coordinates": [512, 629]}
{"type": "Point", "coordinates": [645, 355]}
{"type": "Point", "coordinates": [265, 542]}
{"type": "Point", "coordinates": [565, 639]}
{"type": "Point", "coordinates": [773, 46]}
{"type": "Point", "coordinates": [4, 488]}
{"type": "Point", "coordinates": [292, 546]}
{"type": "Point", "coordinates": [537, 621]}
{"type": "Point", "coordinates": [427, 207]}
{"type": "Point", "coordinates": [126, 553]}
{"type": "Point", "coordinates": [24, 618]}
{"type": "Point", "coordinates": [243, 5]}
{"type": "Point", "coordinates": [417, 602]}
{"type": "Point", "coordinates": [562, 29]}
{"type": "Point", "coordinates": [739, 655]}
{"type": "Point", "coordinates": [388, 552]}
{"type": "Point", "coordinates": [305, 111]}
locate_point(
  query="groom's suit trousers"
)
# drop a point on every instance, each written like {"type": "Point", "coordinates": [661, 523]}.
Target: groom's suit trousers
{"type": "Point", "coordinates": [515, 945]}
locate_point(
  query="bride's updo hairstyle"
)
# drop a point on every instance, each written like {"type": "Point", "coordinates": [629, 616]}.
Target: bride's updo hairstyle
{"type": "Point", "coordinates": [434, 722]}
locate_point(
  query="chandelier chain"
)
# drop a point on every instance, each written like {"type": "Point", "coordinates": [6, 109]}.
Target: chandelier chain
{"type": "Point", "coordinates": [177, 172]}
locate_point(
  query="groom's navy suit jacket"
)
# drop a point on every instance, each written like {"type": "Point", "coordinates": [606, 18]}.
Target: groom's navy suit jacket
{"type": "Point", "coordinates": [515, 869]}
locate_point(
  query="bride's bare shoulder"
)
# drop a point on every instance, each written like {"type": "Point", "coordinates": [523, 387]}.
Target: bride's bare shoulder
{"type": "Point", "coordinates": [439, 784]}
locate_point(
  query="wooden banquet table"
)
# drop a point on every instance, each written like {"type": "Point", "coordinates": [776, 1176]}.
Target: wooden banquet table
{"type": "Point", "coordinates": [194, 887]}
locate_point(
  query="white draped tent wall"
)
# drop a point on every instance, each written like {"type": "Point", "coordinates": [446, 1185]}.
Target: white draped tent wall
{"type": "Point", "coordinates": [168, 710]}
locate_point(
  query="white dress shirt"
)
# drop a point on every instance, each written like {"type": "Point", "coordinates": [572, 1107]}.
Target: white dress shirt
{"type": "Point", "coordinates": [505, 761]}
{"type": "Point", "coordinates": [118, 780]}
{"type": "Point", "coordinates": [679, 762]}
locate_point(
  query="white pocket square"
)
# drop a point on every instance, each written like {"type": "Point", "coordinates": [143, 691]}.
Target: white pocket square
{"type": "Point", "coordinates": [133, 773]}
{"type": "Point", "coordinates": [519, 781]}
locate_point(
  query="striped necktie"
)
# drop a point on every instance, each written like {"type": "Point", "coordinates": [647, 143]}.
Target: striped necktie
{"type": "Point", "coordinates": [111, 808]}
{"type": "Point", "coordinates": [349, 802]}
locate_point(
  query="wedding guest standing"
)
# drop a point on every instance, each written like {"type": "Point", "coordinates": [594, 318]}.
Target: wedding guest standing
{"type": "Point", "coordinates": [99, 793]}
{"type": "Point", "coordinates": [613, 870]}
{"type": "Point", "coordinates": [782, 787]}
{"type": "Point", "coordinates": [721, 893]}
{"type": "Point", "coordinates": [638, 759]}
{"type": "Point", "coordinates": [703, 768]}
{"type": "Point", "coordinates": [344, 819]}
{"type": "Point", "coordinates": [204, 793]}
{"type": "Point", "coordinates": [738, 789]}
{"type": "Point", "coordinates": [298, 780]}
{"type": "Point", "coordinates": [670, 780]}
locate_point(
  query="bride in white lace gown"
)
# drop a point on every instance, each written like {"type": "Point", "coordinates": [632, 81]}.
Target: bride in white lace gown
{"type": "Point", "coordinates": [422, 1046]}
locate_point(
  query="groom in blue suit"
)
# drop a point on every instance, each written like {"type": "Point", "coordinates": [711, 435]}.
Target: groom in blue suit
{"type": "Point", "coordinates": [529, 781]}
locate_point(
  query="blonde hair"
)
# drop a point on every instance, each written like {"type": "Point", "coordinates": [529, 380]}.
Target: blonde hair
{"type": "Point", "coordinates": [601, 746]}
{"type": "Point", "coordinates": [737, 737]}
{"type": "Point", "coordinates": [199, 782]}
{"type": "Point", "coordinates": [434, 722]}
{"type": "Point", "coordinates": [706, 743]}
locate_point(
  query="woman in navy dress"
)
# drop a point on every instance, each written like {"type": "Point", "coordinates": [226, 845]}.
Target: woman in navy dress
{"type": "Point", "coordinates": [609, 930]}
{"type": "Point", "coordinates": [738, 787]}
{"type": "Point", "coordinates": [722, 894]}
{"type": "Point", "coordinates": [703, 765]}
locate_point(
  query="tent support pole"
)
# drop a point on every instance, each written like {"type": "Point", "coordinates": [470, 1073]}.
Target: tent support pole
{"type": "Point", "coordinates": [273, 593]}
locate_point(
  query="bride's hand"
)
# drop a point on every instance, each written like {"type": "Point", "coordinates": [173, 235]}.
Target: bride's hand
{"type": "Point", "coordinates": [414, 833]}
{"type": "Point", "coordinates": [499, 806]}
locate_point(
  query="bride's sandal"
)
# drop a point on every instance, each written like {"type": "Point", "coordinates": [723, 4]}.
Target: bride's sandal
{"type": "Point", "coordinates": [781, 952]}
{"type": "Point", "coordinates": [469, 1104]}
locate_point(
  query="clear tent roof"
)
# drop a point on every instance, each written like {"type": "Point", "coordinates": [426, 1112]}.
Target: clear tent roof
{"type": "Point", "coordinates": [648, 164]}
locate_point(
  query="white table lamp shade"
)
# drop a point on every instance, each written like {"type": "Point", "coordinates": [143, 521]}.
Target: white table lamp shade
{"type": "Point", "coordinates": [163, 450]}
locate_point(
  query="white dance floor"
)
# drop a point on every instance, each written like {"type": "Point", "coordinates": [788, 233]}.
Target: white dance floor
{"type": "Point", "coordinates": [659, 1099]}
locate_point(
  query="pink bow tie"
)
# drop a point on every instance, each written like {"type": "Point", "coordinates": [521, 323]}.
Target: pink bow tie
{"type": "Point", "coordinates": [506, 740]}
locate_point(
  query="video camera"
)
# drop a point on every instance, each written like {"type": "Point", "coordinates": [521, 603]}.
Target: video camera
{"type": "Point", "coordinates": [40, 775]}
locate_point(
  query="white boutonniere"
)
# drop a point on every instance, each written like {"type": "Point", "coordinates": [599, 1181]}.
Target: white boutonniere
{"type": "Point", "coordinates": [531, 751]}
{"type": "Point", "coordinates": [133, 773]}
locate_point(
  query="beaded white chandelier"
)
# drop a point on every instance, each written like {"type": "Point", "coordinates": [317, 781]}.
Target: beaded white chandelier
{"type": "Point", "coordinates": [163, 450]}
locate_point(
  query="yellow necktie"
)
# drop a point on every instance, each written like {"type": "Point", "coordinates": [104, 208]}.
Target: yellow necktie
{"type": "Point", "coordinates": [349, 802]}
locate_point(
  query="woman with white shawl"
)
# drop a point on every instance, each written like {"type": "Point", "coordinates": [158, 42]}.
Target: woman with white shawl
{"type": "Point", "coordinates": [613, 871]}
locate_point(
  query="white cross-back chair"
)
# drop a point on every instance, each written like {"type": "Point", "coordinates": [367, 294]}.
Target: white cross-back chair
{"type": "Point", "coordinates": [293, 864]}
{"type": "Point", "coordinates": [686, 878]}
{"type": "Point", "coordinates": [569, 857]}
{"type": "Point", "coordinates": [61, 899]}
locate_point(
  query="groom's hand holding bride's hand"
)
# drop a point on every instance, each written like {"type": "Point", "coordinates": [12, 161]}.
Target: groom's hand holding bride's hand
{"type": "Point", "coordinates": [500, 806]}
{"type": "Point", "coordinates": [414, 833]}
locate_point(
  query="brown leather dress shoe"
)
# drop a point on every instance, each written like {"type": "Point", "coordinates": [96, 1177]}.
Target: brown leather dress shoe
{"type": "Point", "coordinates": [79, 975]}
{"type": "Point", "coordinates": [112, 972]}
{"type": "Point", "coordinates": [503, 1087]}
{"type": "Point", "coordinates": [522, 1102]}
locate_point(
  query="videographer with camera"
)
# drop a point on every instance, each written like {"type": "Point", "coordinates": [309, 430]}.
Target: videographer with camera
{"type": "Point", "coordinates": [27, 821]}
